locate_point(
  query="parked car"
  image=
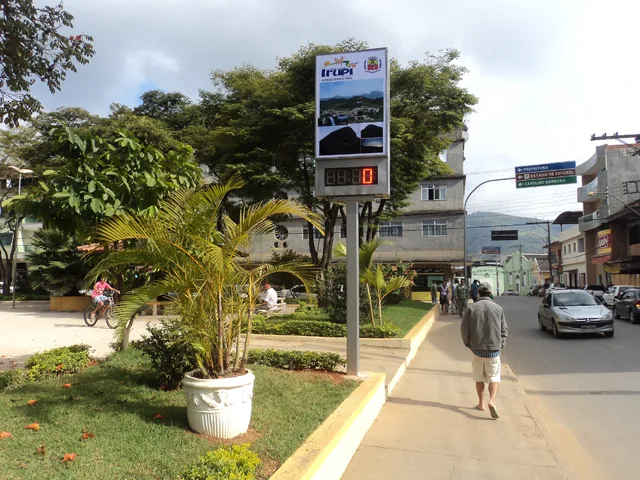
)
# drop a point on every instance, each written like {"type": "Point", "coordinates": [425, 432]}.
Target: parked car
{"type": "Point", "coordinates": [574, 311]}
{"type": "Point", "coordinates": [614, 293]}
{"type": "Point", "coordinates": [596, 290]}
{"type": "Point", "coordinates": [557, 286]}
{"type": "Point", "coordinates": [509, 292]}
{"type": "Point", "coordinates": [300, 293]}
{"type": "Point", "coordinates": [628, 306]}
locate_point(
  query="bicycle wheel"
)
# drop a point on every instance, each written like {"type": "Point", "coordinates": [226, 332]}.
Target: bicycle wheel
{"type": "Point", "coordinates": [108, 317]}
{"type": "Point", "coordinates": [87, 315]}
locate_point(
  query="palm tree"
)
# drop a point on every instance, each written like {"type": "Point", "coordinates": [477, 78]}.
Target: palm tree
{"type": "Point", "coordinates": [371, 275]}
{"type": "Point", "coordinates": [205, 258]}
{"type": "Point", "coordinates": [55, 264]}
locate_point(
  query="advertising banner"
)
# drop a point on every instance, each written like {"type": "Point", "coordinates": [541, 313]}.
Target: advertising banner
{"type": "Point", "coordinates": [352, 104]}
{"type": "Point", "coordinates": [603, 253]}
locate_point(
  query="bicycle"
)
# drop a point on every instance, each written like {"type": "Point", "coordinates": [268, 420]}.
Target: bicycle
{"type": "Point", "coordinates": [106, 312]}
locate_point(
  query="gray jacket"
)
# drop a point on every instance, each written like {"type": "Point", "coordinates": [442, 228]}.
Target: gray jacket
{"type": "Point", "coordinates": [484, 326]}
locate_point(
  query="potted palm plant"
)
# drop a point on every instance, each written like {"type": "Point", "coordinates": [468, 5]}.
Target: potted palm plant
{"type": "Point", "coordinates": [205, 258]}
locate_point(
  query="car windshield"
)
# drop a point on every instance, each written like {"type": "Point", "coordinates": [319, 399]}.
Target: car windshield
{"type": "Point", "coordinates": [574, 299]}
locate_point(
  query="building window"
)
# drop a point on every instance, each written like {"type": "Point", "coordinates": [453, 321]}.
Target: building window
{"type": "Point", "coordinates": [316, 233]}
{"type": "Point", "coordinates": [574, 247]}
{"type": "Point", "coordinates": [580, 245]}
{"type": "Point", "coordinates": [6, 239]}
{"type": "Point", "coordinates": [391, 229]}
{"type": "Point", "coordinates": [281, 232]}
{"type": "Point", "coordinates": [634, 235]}
{"type": "Point", "coordinates": [434, 229]}
{"type": "Point", "coordinates": [434, 192]}
{"type": "Point", "coordinates": [565, 249]}
{"type": "Point", "coordinates": [444, 155]}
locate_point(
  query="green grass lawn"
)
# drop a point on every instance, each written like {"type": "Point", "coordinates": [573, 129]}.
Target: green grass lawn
{"type": "Point", "coordinates": [114, 402]}
{"type": "Point", "coordinates": [406, 314]}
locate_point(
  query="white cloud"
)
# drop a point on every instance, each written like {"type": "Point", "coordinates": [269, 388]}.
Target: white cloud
{"type": "Point", "coordinates": [548, 73]}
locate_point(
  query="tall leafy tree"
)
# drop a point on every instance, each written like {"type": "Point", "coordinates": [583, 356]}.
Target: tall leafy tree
{"type": "Point", "coordinates": [35, 45]}
{"type": "Point", "coordinates": [258, 124]}
{"type": "Point", "coordinates": [101, 179]}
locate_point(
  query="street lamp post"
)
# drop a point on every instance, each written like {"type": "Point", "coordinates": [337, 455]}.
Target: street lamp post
{"type": "Point", "coordinates": [464, 216]}
{"type": "Point", "coordinates": [591, 194]}
{"type": "Point", "coordinates": [17, 233]}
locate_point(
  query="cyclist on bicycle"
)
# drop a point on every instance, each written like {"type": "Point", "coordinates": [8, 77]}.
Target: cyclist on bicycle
{"type": "Point", "coordinates": [98, 296]}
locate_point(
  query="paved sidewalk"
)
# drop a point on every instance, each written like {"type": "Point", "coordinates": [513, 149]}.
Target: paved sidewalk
{"type": "Point", "coordinates": [429, 428]}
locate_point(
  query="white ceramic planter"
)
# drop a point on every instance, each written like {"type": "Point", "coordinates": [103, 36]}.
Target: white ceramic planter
{"type": "Point", "coordinates": [219, 407]}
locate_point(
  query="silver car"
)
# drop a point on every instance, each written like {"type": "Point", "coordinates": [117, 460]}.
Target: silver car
{"type": "Point", "coordinates": [574, 311]}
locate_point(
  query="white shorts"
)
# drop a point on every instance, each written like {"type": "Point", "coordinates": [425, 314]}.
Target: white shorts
{"type": "Point", "coordinates": [486, 370]}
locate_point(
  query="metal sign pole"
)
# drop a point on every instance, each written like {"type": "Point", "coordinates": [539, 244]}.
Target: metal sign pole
{"type": "Point", "coordinates": [353, 289]}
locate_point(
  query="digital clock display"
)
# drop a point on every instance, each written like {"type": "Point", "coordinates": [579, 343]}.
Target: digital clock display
{"type": "Point", "coordinates": [350, 176]}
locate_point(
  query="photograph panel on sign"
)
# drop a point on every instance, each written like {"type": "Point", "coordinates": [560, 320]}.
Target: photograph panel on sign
{"type": "Point", "coordinates": [351, 101]}
{"type": "Point", "coordinates": [339, 140]}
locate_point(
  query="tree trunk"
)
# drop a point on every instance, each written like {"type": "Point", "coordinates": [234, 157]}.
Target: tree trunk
{"type": "Point", "coordinates": [220, 335]}
{"type": "Point", "coordinates": [327, 246]}
{"type": "Point", "coordinates": [124, 344]}
{"type": "Point", "coordinates": [373, 318]}
{"type": "Point", "coordinates": [373, 221]}
{"type": "Point", "coordinates": [313, 252]}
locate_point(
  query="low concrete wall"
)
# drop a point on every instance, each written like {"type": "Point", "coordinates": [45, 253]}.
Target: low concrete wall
{"type": "Point", "coordinates": [69, 304]}
{"type": "Point", "coordinates": [326, 454]}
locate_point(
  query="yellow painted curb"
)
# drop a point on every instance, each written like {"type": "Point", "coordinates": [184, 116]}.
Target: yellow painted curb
{"type": "Point", "coordinates": [326, 454]}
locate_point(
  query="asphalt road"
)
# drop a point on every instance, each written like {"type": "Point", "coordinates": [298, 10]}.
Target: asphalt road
{"type": "Point", "coordinates": [587, 388]}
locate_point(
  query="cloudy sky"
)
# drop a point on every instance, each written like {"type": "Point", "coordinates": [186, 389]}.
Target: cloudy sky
{"type": "Point", "coordinates": [548, 73]}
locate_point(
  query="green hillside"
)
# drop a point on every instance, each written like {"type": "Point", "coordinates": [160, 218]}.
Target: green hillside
{"type": "Point", "coordinates": [531, 237]}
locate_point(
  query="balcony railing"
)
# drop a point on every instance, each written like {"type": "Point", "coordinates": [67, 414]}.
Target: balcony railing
{"type": "Point", "coordinates": [593, 220]}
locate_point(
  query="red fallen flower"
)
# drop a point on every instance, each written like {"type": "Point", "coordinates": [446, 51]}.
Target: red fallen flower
{"type": "Point", "coordinates": [59, 367]}
{"type": "Point", "coordinates": [68, 457]}
{"type": "Point", "coordinates": [32, 402]}
{"type": "Point", "coordinates": [157, 416]}
{"type": "Point", "coordinates": [5, 435]}
{"type": "Point", "coordinates": [66, 385]}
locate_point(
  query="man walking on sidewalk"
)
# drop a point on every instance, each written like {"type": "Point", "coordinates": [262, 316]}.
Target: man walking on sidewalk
{"type": "Point", "coordinates": [484, 331]}
{"type": "Point", "coordinates": [462, 297]}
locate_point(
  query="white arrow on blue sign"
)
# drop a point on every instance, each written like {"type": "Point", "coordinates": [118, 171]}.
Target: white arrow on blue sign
{"type": "Point", "coordinates": [546, 167]}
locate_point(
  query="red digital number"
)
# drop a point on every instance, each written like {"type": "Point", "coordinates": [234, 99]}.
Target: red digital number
{"type": "Point", "coordinates": [367, 176]}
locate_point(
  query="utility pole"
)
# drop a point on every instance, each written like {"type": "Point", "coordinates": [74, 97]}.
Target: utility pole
{"type": "Point", "coordinates": [548, 223]}
{"type": "Point", "coordinates": [520, 279]}
{"type": "Point", "coordinates": [549, 251]}
{"type": "Point", "coordinates": [616, 136]}
{"type": "Point", "coordinates": [497, 275]}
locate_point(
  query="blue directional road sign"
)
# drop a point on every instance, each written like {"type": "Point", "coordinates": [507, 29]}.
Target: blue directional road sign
{"type": "Point", "coordinates": [558, 173]}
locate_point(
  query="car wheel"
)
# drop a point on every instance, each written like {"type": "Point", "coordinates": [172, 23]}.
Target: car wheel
{"type": "Point", "coordinates": [608, 334]}
{"type": "Point", "coordinates": [632, 317]}
{"type": "Point", "coordinates": [554, 329]}
{"type": "Point", "coordinates": [542, 327]}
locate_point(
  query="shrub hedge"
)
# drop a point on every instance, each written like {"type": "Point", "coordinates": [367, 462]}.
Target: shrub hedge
{"type": "Point", "coordinates": [318, 328]}
{"type": "Point", "coordinates": [50, 363]}
{"type": "Point", "coordinates": [296, 360]}
{"type": "Point", "coordinates": [170, 357]}
{"type": "Point", "coordinates": [58, 361]}
{"type": "Point", "coordinates": [236, 462]}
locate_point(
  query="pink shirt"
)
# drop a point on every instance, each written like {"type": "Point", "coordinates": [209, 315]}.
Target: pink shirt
{"type": "Point", "coordinates": [99, 288]}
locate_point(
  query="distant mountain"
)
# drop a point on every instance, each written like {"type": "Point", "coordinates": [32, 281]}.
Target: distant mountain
{"type": "Point", "coordinates": [533, 238]}
{"type": "Point", "coordinates": [372, 131]}
{"type": "Point", "coordinates": [340, 142]}
{"type": "Point", "coordinates": [374, 94]}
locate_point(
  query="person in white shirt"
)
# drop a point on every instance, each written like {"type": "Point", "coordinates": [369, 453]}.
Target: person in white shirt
{"type": "Point", "coordinates": [270, 298]}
